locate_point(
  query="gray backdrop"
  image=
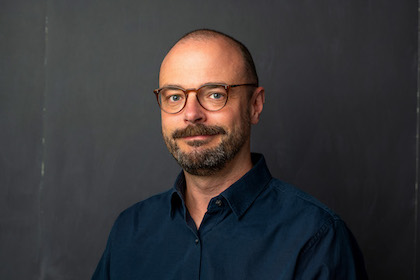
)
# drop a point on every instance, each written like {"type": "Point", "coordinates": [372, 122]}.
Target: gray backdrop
{"type": "Point", "coordinates": [80, 128]}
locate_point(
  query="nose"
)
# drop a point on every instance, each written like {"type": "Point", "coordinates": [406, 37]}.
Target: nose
{"type": "Point", "coordinates": [193, 112]}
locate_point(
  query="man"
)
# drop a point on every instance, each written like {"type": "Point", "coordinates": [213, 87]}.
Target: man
{"type": "Point", "coordinates": [226, 217]}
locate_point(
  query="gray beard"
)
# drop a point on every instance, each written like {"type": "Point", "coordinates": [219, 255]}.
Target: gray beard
{"type": "Point", "coordinates": [209, 161]}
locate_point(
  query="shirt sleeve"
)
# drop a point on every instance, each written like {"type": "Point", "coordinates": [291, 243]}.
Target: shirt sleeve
{"type": "Point", "coordinates": [102, 271]}
{"type": "Point", "coordinates": [332, 253]}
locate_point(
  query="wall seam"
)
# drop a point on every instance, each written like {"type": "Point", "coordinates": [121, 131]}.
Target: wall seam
{"type": "Point", "coordinates": [416, 185]}
{"type": "Point", "coordinates": [43, 151]}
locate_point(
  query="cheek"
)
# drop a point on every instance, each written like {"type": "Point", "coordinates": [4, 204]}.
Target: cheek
{"type": "Point", "coordinates": [165, 126]}
{"type": "Point", "coordinates": [237, 113]}
{"type": "Point", "coordinates": [167, 120]}
{"type": "Point", "coordinates": [231, 121]}
{"type": "Point", "coordinates": [170, 124]}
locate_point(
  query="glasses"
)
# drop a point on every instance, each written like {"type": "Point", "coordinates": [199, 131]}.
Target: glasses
{"type": "Point", "coordinates": [212, 97]}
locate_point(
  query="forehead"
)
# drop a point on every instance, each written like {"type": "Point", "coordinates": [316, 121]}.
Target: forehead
{"type": "Point", "coordinates": [192, 62]}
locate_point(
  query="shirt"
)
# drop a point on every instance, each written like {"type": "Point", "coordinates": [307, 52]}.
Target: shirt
{"type": "Point", "coordinates": [258, 228]}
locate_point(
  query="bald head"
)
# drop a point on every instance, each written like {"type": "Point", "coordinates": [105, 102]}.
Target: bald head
{"type": "Point", "coordinates": [208, 35]}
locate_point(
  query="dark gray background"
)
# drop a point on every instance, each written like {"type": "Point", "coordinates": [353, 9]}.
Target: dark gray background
{"type": "Point", "coordinates": [80, 128]}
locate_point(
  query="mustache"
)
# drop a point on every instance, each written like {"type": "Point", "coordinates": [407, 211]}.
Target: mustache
{"type": "Point", "coordinates": [197, 130]}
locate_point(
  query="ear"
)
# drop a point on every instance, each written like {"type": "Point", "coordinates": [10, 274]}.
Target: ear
{"type": "Point", "coordinates": [257, 104]}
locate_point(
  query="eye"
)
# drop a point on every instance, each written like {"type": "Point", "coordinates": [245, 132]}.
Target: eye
{"type": "Point", "coordinates": [171, 95]}
{"type": "Point", "coordinates": [216, 95]}
{"type": "Point", "coordinates": [174, 98]}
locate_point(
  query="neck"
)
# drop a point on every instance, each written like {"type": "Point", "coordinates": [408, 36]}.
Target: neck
{"type": "Point", "coordinates": [201, 189]}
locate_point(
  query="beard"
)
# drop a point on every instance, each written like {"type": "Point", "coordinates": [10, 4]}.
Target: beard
{"type": "Point", "coordinates": [205, 162]}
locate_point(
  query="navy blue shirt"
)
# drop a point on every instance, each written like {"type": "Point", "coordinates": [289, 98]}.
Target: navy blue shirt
{"type": "Point", "coordinates": [259, 228]}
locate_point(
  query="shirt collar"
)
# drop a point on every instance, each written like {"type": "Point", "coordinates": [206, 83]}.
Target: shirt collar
{"type": "Point", "coordinates": [240, 195]}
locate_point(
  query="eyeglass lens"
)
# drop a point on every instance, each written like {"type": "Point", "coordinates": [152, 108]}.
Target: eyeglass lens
{"type": "Point", "coordinates": [211, 97]}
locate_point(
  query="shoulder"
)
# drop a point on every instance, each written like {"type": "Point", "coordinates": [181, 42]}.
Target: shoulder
{"type": "Point", "coordinates": [148, 211]}
{"type": "Point", "coordinates": [293, 198]}
{"type": "Point", "coordinates": [157, 200]}
{"type": "Point", "coordinates": [285, 205]}
{"type": "Point", "coordinates": [297, 199]}
{"type": "Point", "coordinates": [306, 216]}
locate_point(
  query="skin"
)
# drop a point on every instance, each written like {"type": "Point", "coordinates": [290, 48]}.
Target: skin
{"type": "Point", "coordinates": [190, 64]}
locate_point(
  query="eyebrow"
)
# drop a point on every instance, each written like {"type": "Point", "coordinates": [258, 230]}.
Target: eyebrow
{"type": "Point", "coordinates": [171, 85]}
{"type": "Point", "coordinates": [177, 85]}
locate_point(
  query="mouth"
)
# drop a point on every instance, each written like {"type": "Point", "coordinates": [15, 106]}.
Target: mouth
{"type": "Point", "coordinates": [198, 133]}
{"type": "Point", "coordinates": [197, 137]}
{"type": "Point", "coordinates": [198, 141]}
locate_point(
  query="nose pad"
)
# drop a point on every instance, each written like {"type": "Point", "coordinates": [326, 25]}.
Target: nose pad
{"type": "Point", "coordinates": [193, 111]}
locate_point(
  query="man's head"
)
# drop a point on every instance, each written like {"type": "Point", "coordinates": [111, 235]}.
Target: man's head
{"type": "Point", "coordinates": [204, 141]}
{"type": "Point", "coordinates": [207, 34]}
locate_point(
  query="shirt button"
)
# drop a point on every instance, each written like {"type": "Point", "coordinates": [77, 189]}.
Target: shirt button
{"type": "Point", "coordinates": [196, 241]}
{"type": "Point", "coordinates": [219, 202]}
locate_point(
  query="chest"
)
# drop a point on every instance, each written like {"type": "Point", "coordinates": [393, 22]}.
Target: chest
{"type": "Point", "coordinates": [223, 248]}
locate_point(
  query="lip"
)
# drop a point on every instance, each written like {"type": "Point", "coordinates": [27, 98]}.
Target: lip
{"type": "Point", "coordinates": [198, 137]}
